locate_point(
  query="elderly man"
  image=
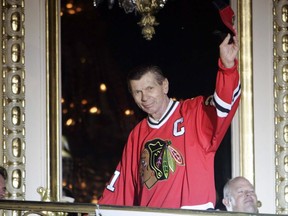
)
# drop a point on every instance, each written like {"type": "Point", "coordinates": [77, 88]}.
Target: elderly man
{"type": "Point", "coordinates": [239, 196]}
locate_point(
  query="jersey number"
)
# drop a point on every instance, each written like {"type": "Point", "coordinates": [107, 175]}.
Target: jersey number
{"type": "Point", "coordinates": [115, 177]}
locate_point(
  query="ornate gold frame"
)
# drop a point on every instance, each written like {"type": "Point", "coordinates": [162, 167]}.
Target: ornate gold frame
{"type": "Point", "coordinates": [12, 110]}
{"type": "Point", "coordinates": [280, 54]}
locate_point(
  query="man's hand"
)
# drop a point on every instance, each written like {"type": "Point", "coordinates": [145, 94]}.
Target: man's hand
{"type": "Point", "coordinates": [228, 52]}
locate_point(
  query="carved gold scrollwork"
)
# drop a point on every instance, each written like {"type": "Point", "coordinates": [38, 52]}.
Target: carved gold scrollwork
{"type": "Point", "coordinates": [16, 186]}
{"type": "Point", "coordinates": [14, 25]}
{"type": "Point", "coordinates": [16, 147]}
{"type": "Point", "coordinates": [15, 116]}
{"type": "Point", "coordinates": [16, 21]}
{"type": "Point", "coordinates": [282, 73]}
{"type": "Point", "coordinates": [16, 178]}
{"type": "Point", "coordinates": [13, 97]}
{"type": "Point", "coordinates": [284, 12]}
{"type": "Point", "coordinates": [15, 85]}
{"type": "Point", "coordinates": [44, 193]}
{"type": "Point", "coordinates": [15, 51]}
{"type": "Point", "coordinates": [280, 17]}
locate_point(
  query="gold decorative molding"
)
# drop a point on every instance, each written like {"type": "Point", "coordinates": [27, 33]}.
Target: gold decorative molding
{"type": "Point", "coordinates": [53, 101]}
{"type": "Point", "coordinates": [13, 96]}
{"type": "Point", "coordinates": [247, 167]}
{"type": "Point", "coordinates": [41, 208]}
{"type": "Point", "coordinates": [280, 66]}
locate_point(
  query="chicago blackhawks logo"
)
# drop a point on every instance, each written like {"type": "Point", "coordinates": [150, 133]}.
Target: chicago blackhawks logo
{"type": "Point", "coordinates": [158, 158]}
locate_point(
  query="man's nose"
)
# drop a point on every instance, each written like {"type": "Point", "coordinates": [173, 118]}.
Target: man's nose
{"type": "Point", "coordinates": [144, 96]}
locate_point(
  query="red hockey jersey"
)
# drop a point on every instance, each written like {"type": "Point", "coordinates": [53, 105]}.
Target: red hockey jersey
{"type": "Point", "coordinates": [170, 163]}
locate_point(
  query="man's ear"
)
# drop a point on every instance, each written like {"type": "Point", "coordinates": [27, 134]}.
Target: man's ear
{"type": "Point", "coordinates": [166, 86]}
{"type": "Point", "coordinates": [226, 202]}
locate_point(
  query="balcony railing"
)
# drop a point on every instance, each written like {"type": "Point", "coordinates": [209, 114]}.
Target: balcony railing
{"type": "Point", "coordinates": [60, 208]}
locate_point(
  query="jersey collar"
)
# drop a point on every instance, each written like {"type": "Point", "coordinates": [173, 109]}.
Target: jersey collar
{"type": "Point", "coordinates": [169, 111]}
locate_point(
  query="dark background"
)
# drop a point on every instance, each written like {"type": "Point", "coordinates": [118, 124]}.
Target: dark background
{"type": "Point", "coordinates": [100, 45]}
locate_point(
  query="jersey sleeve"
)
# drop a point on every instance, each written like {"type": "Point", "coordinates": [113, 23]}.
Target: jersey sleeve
{"type": "Point", "coordinates": [121, 188]}
{"type": "Point", "coordinates": [225, 102]}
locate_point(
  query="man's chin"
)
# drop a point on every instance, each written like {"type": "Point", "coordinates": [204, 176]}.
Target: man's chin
{"type": "Point", "coordinates": [251, 209]}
